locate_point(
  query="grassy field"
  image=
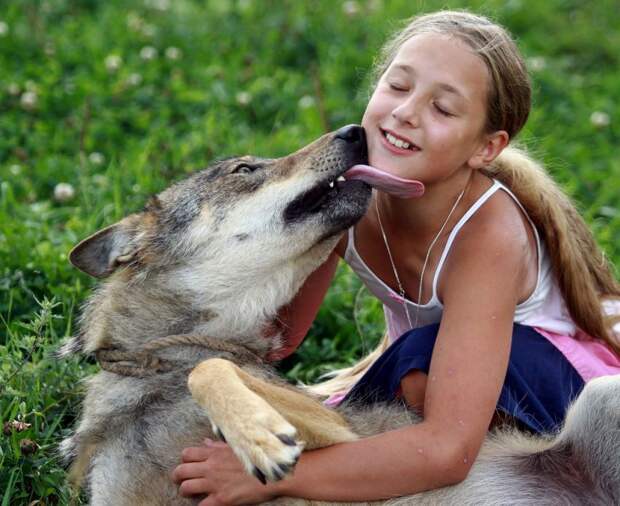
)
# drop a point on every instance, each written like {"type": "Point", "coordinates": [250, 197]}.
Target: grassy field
{"type": "Point", "coordinates": [117, 99]}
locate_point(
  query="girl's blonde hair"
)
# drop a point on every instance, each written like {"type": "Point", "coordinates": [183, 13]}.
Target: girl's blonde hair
{"type": "Point", "coordinates": [584, 275]}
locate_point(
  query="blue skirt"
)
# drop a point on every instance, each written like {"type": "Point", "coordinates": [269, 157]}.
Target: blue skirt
{"type": "Point", "coordinates": [539, 386]}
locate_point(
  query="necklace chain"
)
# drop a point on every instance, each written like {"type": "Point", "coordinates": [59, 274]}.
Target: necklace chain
{"type": "Point", "coordinates": [401, 290]}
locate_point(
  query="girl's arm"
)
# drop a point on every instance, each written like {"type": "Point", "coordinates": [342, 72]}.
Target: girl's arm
{"type": "Point", "coordinates": [297, 317]}
{"type": "Point", "coordinates": [481, 287]}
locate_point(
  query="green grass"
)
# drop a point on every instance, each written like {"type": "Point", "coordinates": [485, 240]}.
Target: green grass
{"type": "Point", "coordinates": [262, 77]}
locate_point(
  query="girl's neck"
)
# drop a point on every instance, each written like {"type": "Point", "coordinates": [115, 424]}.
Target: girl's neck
{"type": "Point", "coordinates": [426, 214]}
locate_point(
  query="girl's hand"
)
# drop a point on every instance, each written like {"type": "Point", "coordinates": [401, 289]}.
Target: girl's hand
{"type": "Point", "coordinates": [214, 470]}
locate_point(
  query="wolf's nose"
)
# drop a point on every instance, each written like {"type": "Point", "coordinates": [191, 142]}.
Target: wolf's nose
{"type": "Point", "coordinates": [351, 133]}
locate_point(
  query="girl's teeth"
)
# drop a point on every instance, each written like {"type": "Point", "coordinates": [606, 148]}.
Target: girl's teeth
{"type": "Point", "coordinates": [396, 142]}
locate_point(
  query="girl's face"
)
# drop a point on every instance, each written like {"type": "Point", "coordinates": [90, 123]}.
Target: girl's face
{"type": "Point", "coordinates": [425, 120]}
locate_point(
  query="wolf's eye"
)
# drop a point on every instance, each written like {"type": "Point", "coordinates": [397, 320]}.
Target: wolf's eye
{"type": "Point", "coordinates": [244, 168]}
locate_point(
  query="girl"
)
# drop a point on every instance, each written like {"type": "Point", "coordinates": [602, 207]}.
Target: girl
{"type": "Point", "coordinates": [491, 281]}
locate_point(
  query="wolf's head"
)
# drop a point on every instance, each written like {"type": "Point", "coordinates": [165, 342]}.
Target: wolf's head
{"type": "Point", "coordinates": [221, 251]}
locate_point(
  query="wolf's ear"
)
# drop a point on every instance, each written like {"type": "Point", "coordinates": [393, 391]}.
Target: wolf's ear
{"type": "Point", "coordinates": [103, 252]}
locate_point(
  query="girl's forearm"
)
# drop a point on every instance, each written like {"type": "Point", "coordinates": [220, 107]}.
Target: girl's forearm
{"type": "Point", "coordinates": [298, 316]}
{"type": "Point", "coordinates": [397, 463]}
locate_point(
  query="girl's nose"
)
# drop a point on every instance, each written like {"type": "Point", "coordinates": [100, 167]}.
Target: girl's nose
{"type": "Point", "coordinates": [407, 112]}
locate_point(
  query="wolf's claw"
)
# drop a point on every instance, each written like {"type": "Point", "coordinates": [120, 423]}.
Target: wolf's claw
{"type": "Point", "coordinates": [286, 468]}
{"type": "Point", "coordinates": [219, 434]}
{"type": "Point", "coordinates": [268, 448]}
{"type": "Point", "coordinates": [277, 473]}
{"type": "Point", "coordinates": [259, 475]}
{"type": "Point", "coordinates": [287, 440]}
{"type": "Point", "coordinates": [275, 466]}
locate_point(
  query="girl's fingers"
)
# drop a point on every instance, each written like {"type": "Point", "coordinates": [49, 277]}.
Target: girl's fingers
{"type": "Point", "coordinates": [188, 471]}
{"type": "Point", "coordinates": [199, 486]}
{"type": "Point", "coordinates": [195, 454]}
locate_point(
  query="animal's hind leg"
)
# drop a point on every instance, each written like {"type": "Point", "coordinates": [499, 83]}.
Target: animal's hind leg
{"type": "Point", "coordinates": [266, 425]}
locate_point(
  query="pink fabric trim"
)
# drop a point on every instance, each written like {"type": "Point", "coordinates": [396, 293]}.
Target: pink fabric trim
{"type": "Point", "coordinates": [590, 357]}
{"type": "Point", "coordinates": [335, 399]}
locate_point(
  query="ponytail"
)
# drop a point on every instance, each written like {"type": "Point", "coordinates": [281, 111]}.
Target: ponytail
{"type": "Point", "coordinates": [583, 273]}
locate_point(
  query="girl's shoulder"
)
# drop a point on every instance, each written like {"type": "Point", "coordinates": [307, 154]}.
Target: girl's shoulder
{"type": "Point", "coordinates": [498, 237]}
{"type": "Point", "coordinates": [499, 218]}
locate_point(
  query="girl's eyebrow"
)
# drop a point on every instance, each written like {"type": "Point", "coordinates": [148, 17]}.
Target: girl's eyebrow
{"type": "Point", "coordinates": [443, 86]}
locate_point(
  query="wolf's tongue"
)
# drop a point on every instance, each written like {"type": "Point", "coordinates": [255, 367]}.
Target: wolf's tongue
{"type": "Point", "coordinates": [403, 188]}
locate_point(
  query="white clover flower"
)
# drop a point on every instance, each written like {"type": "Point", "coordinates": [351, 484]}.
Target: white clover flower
{"type": "Point", "coordinates": [134, 79]}
{"type": "Point", "coordinates": [173, 53]}
{"type": "Point", "coordinates": [135, 188]}
{"type": "Point", "coordinates": [96, 158]}
{"type": "Point", "coordinates": [134, 22]}
{"type": "Point", "coordinates": [29, 100]}
{"type": "Point", "coordinates": [113, 62]}
{"type": "Point", "coordinates": [160, 5]}
{"type": "Point", "coordinates": [37, 207]}
{"type": "Point", "coordinates": [148, 53]}
{"type": "Point", "coordinates": [537, 63]}
{"type": "Point", "coordinates": [351, 8]}
{"type": "Point", "coordinates": [15, 169]}
{"type": "Point", "coordinates": [243, 98]}
{"type": "Point", "coordinates": [63, 192]}
{"type": "Point", "coordinates": [13, 89]}
{"type": "Point", "coordinates": [306, 102]}
{"type": "Point", "coordinates": [4, 29]}
{"type": "Point", "coordinates": [599, 119]}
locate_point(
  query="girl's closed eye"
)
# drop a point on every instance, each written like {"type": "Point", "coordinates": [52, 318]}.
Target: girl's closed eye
{"type": "Point", "coordinates": [442, 110]}
{"type": "Point", "coordinates": [398, 86]}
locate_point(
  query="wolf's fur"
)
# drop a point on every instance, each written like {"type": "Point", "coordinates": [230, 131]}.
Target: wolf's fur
{"type": "Point", "coordinates": [211, 260]}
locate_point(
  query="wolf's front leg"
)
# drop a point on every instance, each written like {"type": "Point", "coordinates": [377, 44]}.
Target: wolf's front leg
{"type": "Point", "coordinates": [266, 425]}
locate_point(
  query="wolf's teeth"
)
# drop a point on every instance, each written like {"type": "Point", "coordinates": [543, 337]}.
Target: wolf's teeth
{"type": "Point", "coordinates": [341, 178]}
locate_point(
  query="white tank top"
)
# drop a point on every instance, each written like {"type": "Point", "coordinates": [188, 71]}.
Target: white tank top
{"type": "Point", "coordinates": [544, 308]}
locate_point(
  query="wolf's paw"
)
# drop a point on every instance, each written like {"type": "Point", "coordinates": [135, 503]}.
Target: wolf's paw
{"type": "Point", "coordinates": [266, 444]}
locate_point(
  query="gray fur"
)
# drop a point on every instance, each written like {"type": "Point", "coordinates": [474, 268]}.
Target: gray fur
{"type": "Point", "coordinates": [214, 256]}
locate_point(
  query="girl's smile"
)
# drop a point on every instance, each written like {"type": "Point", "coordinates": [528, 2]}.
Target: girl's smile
{"type": "Point", "coordinates": [398, 144]}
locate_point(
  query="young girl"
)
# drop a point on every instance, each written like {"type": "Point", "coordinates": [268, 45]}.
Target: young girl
{"type": "Point", "coordinates": [491, 282]}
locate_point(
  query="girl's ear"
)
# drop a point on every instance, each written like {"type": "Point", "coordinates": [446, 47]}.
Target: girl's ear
{"type": "Point", "coordinates": [492, 145]}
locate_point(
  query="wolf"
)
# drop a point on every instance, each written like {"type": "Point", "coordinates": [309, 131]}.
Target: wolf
{"type": "Point", "coordinates": [183, 322]}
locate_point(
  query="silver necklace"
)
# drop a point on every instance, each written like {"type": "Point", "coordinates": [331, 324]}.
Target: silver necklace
{"type": "Point", "coordinates": [401, 290]}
